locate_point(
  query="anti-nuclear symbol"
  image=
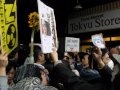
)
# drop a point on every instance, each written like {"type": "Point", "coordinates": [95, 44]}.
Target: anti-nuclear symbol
{"type": "Point", "coordinates": [11, 36]}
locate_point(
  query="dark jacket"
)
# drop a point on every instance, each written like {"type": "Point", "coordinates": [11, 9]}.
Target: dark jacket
{"type": "Point", "coordinates": [64, 75]}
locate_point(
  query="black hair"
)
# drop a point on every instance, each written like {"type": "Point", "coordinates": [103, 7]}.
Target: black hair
{"type": "Point", "coordinates": [82, 54]}
{"type": "Point", "coordinates": [22, 54]}
{"type": "Point", "coordinates": [37, 51]}
{"type": "Point", "coordinates": [71, 55]}
{"type": "Point", "coordinates": [10, 65]}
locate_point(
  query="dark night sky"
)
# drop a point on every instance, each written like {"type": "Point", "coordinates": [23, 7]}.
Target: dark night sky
{"type": "Point", "coordinates": [62, 9]}
{"type": "Point", "coordinates": [25, 7]}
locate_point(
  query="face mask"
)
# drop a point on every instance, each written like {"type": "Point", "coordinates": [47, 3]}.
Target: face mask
{"type": "Point", "coordinates": [110, 64]}
{"type": "Point", "coordinates": [72, 66]}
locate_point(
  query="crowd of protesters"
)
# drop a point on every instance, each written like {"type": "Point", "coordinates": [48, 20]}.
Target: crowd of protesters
{"type": "Point", "coordinates": [98, 69]}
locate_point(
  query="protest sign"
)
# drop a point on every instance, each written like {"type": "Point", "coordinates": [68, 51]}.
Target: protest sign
{"type": "Point", "coordinates": [98, 40]}
{"type": "Point", "coordinates": [8, 25]}
{"type": "Point", "coordinates": [72, 44]}
{"type": "Point", "coordinates": [47, 27]}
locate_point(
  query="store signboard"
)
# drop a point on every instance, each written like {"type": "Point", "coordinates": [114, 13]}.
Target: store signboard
{"type": "Point", "coordinates": [96, 22]}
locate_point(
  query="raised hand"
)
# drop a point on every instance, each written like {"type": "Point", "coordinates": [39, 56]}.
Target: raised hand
{"type": "Point", "coordinates": [3, 63]}
{"type": "Point", "coordinates": [54, 56]}
{"type": "Point", "coordinates": [97, 55]}
{"type": "Point", "coordinates": [3, 59]}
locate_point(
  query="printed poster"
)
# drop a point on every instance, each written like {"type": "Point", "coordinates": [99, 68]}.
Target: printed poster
{"type": "Point", "coordinates": [98, 40]}
{"type": "Point", "coordinates": [8, 25]}
{"type": "Point", "coordinates": [47, 27]}
{"type": "Point", "coordinates": [72, 44]}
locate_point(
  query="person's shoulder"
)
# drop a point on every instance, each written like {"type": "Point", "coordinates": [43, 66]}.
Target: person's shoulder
{"type": "Point", "coordinates": [9, 88]}
{"type": "Point", "coordinates": [3, 83]}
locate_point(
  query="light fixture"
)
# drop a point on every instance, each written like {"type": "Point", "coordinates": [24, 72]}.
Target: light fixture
{"type": "Point", "coordinates": [78, 6]}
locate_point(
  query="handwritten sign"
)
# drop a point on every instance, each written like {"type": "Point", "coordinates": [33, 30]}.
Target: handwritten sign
{"type": "Point", "coordinates": [72, 44]}
{"type": "Point", "coordinates": [47, 27]}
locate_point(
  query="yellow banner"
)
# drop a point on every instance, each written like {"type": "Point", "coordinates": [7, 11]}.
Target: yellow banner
{"type": "Point", "coordinates": [8, 25]}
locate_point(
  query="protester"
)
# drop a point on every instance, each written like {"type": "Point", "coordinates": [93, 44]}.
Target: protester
{"type": "Point", "coordinates": [106, 59]}
{"type": "Point", "coordinates": [86, 72]}
{"type": "Point", "coordinates": [3, 77]}
{"type": "Point", "coordinates": [31, 77]}
{"type": "Point", "coordinates": [10, 70]}
{"type": "Point", "coordinates": [62, 74]}
{"type": "Point", "coordinates": [69, 61]}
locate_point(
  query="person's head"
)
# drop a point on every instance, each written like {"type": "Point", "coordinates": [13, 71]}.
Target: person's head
{"type": "Point", "coordinates": [114, 50]}
{"type": "Point", "coordinates": [106, 59]}
{"type": "Point", "coordinates": [84, 57]}
{"type": "Point", "coordinates": [69, 57]}
{"type": "Point", "coordinates": [31, 71]}
{"type": "Point", "coordinates": [39, 56]}
{"type": "Point", "coordinates": [22, 54]}
{"type": "Point", "coordinates": [10, 70]}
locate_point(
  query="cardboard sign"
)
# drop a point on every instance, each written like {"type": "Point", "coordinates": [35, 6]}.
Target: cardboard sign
{"type": "Point", "coordinates": [98, 40]}
{"type": "Point", "coordinates": [47, 27]}
{"type": "Point", "coordinates": [72, 44]}
{"type": "Point", "coordinates": [8, 25]}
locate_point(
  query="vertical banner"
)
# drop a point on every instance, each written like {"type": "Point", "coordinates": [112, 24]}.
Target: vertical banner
{"type": "Point", "coordinates": [72, 44]}
{"type": "Point", "coordinates": [47, 27]}
{"type": "Point", "coordinates": [98, 40]}
{"type": "Point", "coordinates": [8, 25]}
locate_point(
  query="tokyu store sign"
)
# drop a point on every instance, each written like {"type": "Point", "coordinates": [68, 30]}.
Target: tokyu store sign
{"type": "Point", "coordinates": [102, 21]}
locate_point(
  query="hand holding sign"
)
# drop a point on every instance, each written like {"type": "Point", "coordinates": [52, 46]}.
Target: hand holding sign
{"type": "Point", "coordinates": [98, 57]}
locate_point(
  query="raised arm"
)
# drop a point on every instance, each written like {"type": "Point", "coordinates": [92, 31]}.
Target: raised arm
{"type": "Point", "coordinates": [3, 77]}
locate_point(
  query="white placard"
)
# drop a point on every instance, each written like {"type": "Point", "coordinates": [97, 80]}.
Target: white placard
{"type": "Point", "coordinates": [47, 27]}
{"type": "Point", "coordinates": [96, 22]}
{"type": "Point", "coordinates": [98, 40]}
{"type": "Point", "coordinates": [72, 44]}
